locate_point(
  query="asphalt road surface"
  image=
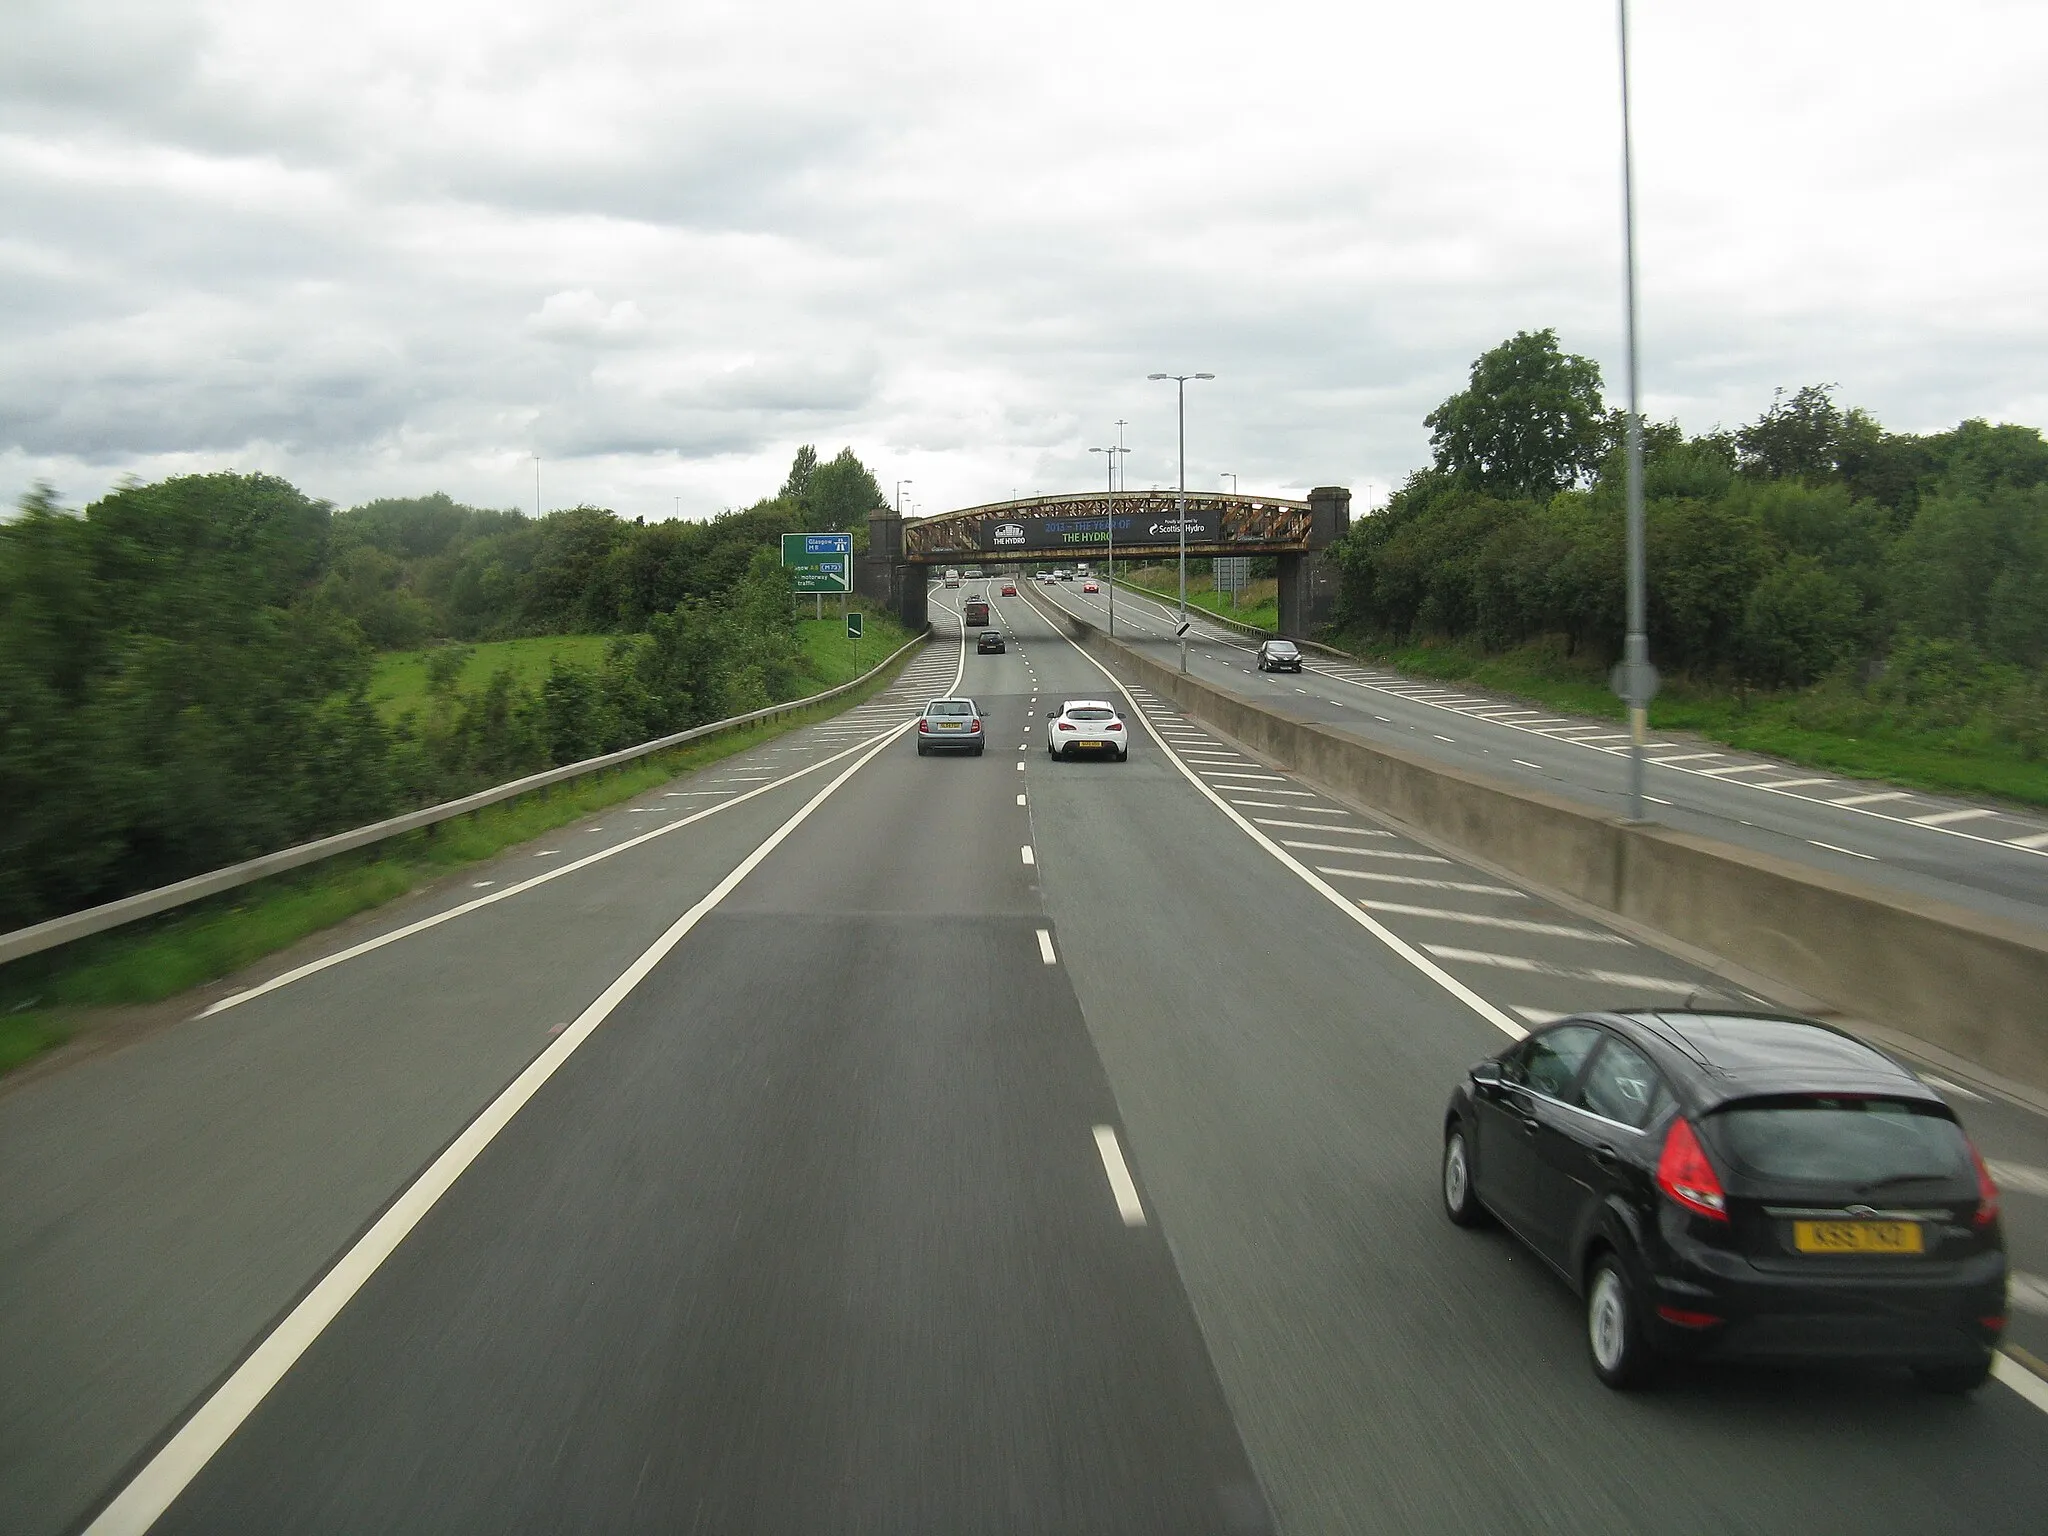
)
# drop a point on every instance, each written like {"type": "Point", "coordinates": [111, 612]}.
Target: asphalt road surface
{"type": "Point", "coordinates": [838, 1140]}
{"type": "Point", "coordinates": [1985, 856]}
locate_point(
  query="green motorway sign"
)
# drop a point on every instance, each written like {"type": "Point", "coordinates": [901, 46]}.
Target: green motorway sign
{"type": "Point", "coordinates": [853, 626]}
{"type": "Point", "coordinates": [819, 562]}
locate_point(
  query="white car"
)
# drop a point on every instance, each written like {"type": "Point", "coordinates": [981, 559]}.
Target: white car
{"type": "Point", "coordinates": [1087, 728]}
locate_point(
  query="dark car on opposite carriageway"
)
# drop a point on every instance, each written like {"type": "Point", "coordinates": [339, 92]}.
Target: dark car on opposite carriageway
{"type": "Point", "coordinates": [1744, 1186]}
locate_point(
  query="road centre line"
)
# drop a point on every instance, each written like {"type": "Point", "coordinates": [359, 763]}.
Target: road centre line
{"type": "Point", "coordinates": [1323, 888]}
{"type": "Point", "coordinates": [313, 967]}
{"type": "Point", "coordinates": [167, 1474]}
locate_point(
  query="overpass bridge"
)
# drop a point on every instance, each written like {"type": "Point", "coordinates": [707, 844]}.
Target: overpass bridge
{"type": "Point", "coordinates": [1147, 526]}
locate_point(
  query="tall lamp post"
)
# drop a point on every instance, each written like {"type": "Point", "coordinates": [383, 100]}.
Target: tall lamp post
{"type": "Point", "coordinates": [1111, 454]}
{"type": "Point", "coordinates": [899, 494]}
{"type": "Point", "coordinates": [1180, 381]}
{"type": "Point", "coordinates": [1637, 681]}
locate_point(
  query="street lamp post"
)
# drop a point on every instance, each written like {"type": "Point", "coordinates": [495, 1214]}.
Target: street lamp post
{"type": "Point", "coordinates": [1111, 454]}
{"type": "Point", "coordinates": [899, 494]}
{"type": "Point", "coordinates": [1227, 475]}
{"type": "Point", "coordinates": [1180, 381]}
{"type": "Point", "coordinates": [1637, 679]}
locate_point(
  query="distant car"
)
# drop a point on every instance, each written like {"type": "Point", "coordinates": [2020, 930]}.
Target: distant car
{"type": "Point", "coordinates": [1736, 1186]}
{"type": "Point", "coordinates": [975, 610]}
{"type": "Point", "coordinates": [951, 725]}
{"type": "Point", "coordinates": [1279, 656]}
{"type": "Point", "coordinates": [952, 578]}
{"type": "Point", "coordinates": [1064, 575]}
{"type": "Point", "coordinates": [989, 640]}
{"type": "Point", "coordinates": [1089, 586]}
{"type": "Point", "coordinates": [1087, 728]}
{"type": "Point", "coordinates": [1008, 589]}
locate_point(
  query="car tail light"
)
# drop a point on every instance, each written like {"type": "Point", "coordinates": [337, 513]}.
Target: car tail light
{"type": "Point", "coordinates": [1063, 726]}
{"type": "Point", "coordinates": [1114, 726]}
{"type": "Point", "coordinates": [1685, 1175]}
{"type": "Point", "coordinates": [1987, 1192]}
{"type": "Point", "coordinates": [974, 727]}
{"type": "Point", "coordinates": [924, 727]}
{"type": "Point", "coordinates": [1993, 1324]}
{"type": "Point", "coordinates": [1685, 1319]}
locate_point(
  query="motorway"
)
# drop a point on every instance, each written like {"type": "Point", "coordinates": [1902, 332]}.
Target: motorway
{"type": "Point", "coordinates": [838, 1140]}
{"type": "Point", "coordinates": [1983, 856]}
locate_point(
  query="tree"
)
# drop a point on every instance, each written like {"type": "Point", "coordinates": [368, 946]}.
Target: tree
{"type": "Point", "coordinates": [842, 494]}
{"type": "Point", "coordinates": [1530, 422]}
{"type": "Point", "coordinates": [802, 469]}
{"type": "Point", "coordinates": [1796, 439]}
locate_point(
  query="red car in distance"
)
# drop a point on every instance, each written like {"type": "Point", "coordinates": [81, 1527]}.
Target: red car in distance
{"type": "Point", "coordinates": [1009, 589]}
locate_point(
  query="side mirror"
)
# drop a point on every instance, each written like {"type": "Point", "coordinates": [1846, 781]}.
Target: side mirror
{"type": "Point", "coordinates": [1052, 714]}
{"type": "Point", "coordinates": [1487, 1071]}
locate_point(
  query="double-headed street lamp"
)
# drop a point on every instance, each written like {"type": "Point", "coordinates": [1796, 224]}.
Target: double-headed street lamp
{"type": "Point", "coordinates": [1111, 454]}
{"type": "Point", "coordinates": [1181, 506]}
{"type": "Point", "coordinates": [899, 494]}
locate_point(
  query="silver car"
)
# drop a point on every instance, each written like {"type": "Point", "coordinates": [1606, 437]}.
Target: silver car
{"type": "Point", "coordinates": [951, 725]}
{"type": "Point", "coordinates": [1087, 728]}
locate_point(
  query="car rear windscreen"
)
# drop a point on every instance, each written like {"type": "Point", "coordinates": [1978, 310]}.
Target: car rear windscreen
{"type": "Point", "coordinates": [1091, 714]}
{"type": "Point", "coordinates": [1852, 1141]}
{"type": "Point", "coordinates": [950, 707]}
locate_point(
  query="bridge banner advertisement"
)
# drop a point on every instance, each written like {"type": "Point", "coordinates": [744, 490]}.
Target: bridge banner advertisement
{"type": "Point", "coordinates": [819, 562]}
{"type": "Point", "coordinates": [1146, 523]}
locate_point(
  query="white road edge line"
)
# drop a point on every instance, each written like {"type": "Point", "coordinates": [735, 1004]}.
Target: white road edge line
{"type": "Point", "coordinates": [157, 1486]}
{"type": "Point", "coordinates": [1045, 948]}
{"type": "Point", "coordinates": [313, 967]}
{"type": "Point", "coordinates": [1322, 887]}
{"type": "Point", "coordinates": [1128, 1205]}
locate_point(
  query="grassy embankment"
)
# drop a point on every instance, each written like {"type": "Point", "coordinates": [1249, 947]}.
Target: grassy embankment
{"type": "Point", "coordinates": [44, 998]}
{"type": "Point", "coordinates": [1959, 761]}
{"type": "Point", "coordinates": [400, 681]}
{"type": "Point", "coordinates": [1258, 604]}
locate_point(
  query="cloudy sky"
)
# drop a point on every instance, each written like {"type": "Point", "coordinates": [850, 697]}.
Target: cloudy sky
{"type": "Point", "coordinates": [403, 245]}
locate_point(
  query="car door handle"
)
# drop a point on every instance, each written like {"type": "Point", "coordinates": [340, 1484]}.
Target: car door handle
{"type": "Point", "coordinates": [1605, 1156]}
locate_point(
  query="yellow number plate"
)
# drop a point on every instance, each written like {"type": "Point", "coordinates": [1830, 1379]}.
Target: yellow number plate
{"type": "Point", "coordinates": [1856, 1236]}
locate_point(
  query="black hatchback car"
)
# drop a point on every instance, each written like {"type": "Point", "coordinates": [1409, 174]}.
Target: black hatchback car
{"type": "Point", "coordinates": [989, 640]}
{"type": "Point", "coordinates": [1736, 1185]}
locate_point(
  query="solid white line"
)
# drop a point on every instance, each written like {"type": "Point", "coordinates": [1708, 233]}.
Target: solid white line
{"type": "Point", "coordinates": [1945, 1086]}
{"type": "Point", "coordinates": [1320, 886]}
{"type": "Point", "coordinates": [1832, 848]}
{"type": "Point", "coordinates": [158, 1484]}
{"type": "Point", "coordinates": [1527, 764]}
{"type": "Point", "coordinates": [1045, 948]}
{"type": "Point", "coordinates": [1519, 925]}
{"type": "Point", "coordinates": [1943, 818]}
{"type": "Point", "coordinates": [2020, 1379]}
{"type": "Point", "coordinates": [1128, 1205]}
{"type": "Point", "coordinates": [1028, 859]}
{"type": "Point", "coordinates": [2019, 1176]}
{"type": "Point", "coordinates": [1895, 794]}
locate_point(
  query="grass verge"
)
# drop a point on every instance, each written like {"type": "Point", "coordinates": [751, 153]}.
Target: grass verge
{"type": "Point", "coordinates": [1767, 723]}
{"type": "Point", "coordinates": [398, 681]}
{"type": "Point", "coordinates": [43, 997]}
{"type": "Point", "coordinates": [1258, 604]}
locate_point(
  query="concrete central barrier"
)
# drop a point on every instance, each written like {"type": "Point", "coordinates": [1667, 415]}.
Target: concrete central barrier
{"type": "Point", "coordinates": [1969, 983]}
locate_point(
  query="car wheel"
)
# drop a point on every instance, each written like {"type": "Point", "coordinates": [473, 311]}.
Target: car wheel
{"type": "Point", "coordinates": [979, 750]}
{"type": "Point", "coordinates": [1614, 1331]}
{"type": "Point", "coordinates": [921, 752]}
{"type": "Point", "coordinates": [1124, 756]}
{"type": "Point", "coordinates": [1461, 1198]}
{"type": "Point", "coordinates": [1955, 1379]}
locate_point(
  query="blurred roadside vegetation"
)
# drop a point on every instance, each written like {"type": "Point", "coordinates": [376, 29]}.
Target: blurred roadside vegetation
{"type": "Point", "coordinates": [1871, 601]}
{"type": "Point", "coordinates": [188, 669]}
